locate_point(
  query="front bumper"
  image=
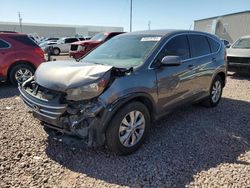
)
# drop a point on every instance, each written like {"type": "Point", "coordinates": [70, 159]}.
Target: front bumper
{"type": "Point", "coordinates": [238, 63]}
{"type": "Point", "coordinates": [79, 120]}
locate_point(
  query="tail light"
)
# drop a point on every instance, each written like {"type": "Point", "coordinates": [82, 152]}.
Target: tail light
{"type": "Point", "coordinates": [39, 52]}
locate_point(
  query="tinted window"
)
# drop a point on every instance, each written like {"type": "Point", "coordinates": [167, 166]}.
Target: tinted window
{"type": "Point", "coordinates": [70, 40]}
{"type": "Point", "coordinates": [213, 45]}
{"type": "Point", "coordinates": [3, 44]}
{"type": "Point", "coordinates": [25, 40]}
{"type": "Point", "coordinates": [178, 46]}
{"type": "Point", "coordinates": [198, 45]}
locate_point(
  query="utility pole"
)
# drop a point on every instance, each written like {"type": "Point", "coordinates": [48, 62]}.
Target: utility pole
{"type": "Point", "coordinates": [131, 6]}
{"type": "Point", "coordinates": [20, 21]}
{"type": "Point", "coordinates": [149, 25]}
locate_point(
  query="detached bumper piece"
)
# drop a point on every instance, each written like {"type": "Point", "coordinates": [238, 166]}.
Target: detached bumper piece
{"type": "Point", "coordinates": [74, 118]}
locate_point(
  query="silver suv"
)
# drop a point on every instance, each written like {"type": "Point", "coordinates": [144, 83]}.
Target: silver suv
{"type": "Point", "coordinates": [111, 97]}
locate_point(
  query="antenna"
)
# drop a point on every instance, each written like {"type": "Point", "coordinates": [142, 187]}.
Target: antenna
{"type": "Point", "coordinates": [20, 21]}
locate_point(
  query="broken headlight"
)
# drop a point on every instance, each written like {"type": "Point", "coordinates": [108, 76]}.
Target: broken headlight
{"type": "Point", "coordinates": [87, 91]}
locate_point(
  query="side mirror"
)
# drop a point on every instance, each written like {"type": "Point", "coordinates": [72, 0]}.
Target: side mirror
{"type": "Point", "coordinates": [171, 61]}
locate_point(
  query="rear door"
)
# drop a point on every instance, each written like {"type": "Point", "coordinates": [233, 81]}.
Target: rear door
{"type": "Point", "coordinates": [175, 84]}
{"type": "Point", "coordinates": [202, 60]}
{"type": "Point", "coordinates": [4, 50]}
{"type": "Point", "coordinates": [67, 44]}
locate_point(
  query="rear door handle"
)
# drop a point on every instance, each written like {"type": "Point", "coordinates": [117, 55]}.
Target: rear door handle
{"type": "Point", "coordinates": [214, 59]}
{"type": "Point", "coordinates": [191, 67]}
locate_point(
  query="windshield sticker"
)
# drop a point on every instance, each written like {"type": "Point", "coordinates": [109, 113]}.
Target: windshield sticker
{"type": "Point", "coordinates": [150, 39]}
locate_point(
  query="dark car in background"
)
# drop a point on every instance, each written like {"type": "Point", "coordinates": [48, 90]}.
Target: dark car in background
{"type": "Point", "coordinates": [19, 57]}
{"type": "Point", "coordinates": [80, 48]}
{"type": "Point", "coordinates": [238, 55]}
{"type": "Point", "coordinates": [114, 93]}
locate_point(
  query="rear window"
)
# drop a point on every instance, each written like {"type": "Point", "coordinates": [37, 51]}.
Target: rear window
{"type": "Point", "coordinates": [4, 44]}
{"type": "Point", "coordinates": [24, 40]}
{"type": "Point", "coordinates": [213, 45]}
{"type": "Point", "coordinates": [199, 45]}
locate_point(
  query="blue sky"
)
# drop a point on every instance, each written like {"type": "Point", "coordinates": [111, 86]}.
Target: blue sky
{"type": "Point", "coordinates": [163, 14]}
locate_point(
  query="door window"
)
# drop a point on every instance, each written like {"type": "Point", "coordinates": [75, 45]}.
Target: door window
{"type": "Point", "coordinates": [177, 46]}
{"type": "Point", "coordinates": [4, 44]}
{"type": "Point", "coordinates": [199, 45]}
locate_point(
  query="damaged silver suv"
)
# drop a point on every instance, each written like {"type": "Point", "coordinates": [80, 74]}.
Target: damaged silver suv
{"type": "Point", "coordinates": [112, 96]}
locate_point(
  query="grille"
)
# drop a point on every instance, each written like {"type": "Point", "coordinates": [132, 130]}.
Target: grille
{"type": "Point", "coordinates": [74, 47]}
{"type": "Point", "coordinates": [238, 60]}
{"type": "Point", "coordinates": [43, 102]}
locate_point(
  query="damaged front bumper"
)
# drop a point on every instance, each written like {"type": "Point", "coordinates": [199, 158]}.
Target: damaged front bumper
{"type": "Point", "coordinates": [53, 110]}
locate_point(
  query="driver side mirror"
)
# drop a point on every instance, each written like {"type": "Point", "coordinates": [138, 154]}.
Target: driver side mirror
{"type": "Point", "coordinates": [171, 61]}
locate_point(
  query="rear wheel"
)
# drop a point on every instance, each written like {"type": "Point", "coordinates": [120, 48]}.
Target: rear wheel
{"type": "Point", "coordinates": [20, 73]}
{"type": "Point", "coordinates": [128, 129]}
{"type": "Point", "coordinates": [56, 51]}
{"type": "Point", "coordinates": [215, 93]}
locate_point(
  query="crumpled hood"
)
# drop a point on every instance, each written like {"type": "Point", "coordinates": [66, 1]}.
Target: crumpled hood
{"type": "Point", "coordinates": [63, 75]}
{"type": "Point", "coordinates": [236, 52]}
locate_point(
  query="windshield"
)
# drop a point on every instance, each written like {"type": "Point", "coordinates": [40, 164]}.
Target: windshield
{"type": "Point", "coordinates": [242, 43]}
{"type": "Point", "coordinates": [123, 51]}
{"type": "Point", "coordinates": [99, 37]}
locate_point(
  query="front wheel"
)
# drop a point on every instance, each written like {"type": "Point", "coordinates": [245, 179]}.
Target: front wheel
{"type": "Point", "coordinates": [215, 93]}
{"type": "Point", "coordinates": [128, 128]}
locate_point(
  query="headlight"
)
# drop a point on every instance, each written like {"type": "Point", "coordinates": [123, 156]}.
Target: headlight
{"type": "Point", "coordinates": [81, 48]}
{"type": "Point", "coordinates": [87, 91]}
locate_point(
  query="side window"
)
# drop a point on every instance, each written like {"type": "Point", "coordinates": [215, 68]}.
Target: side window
{"type": "Point", "coordinates": [213, 45]}
{"type": "Point", "coordinates": [4, 44]}
{"type": "Point", "coordinates": [70, 40]}
{"type": "Point", "coordinates": [199, 45]}
{"type": "Point", "coordinates": [177, 46]}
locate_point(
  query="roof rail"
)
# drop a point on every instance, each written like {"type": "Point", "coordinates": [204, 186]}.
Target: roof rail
{"type": "Point", "coordinates": [8, 32]}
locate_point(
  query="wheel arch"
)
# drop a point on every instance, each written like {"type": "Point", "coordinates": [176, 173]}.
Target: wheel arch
{"type": "Point", "coordinates": [144, 98]}
{"type": "Point", "coordinates": [21, 62]}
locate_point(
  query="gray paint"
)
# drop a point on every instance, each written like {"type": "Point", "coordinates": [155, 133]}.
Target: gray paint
{"type": "Point", "coordinates": [164, 87]}
{"type": "Point", "coordinates": [230, 27]}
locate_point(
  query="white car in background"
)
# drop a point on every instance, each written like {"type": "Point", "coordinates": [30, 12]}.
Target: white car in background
{"type": "Point", "coordinates": [238, 55]}
{"type": "Point", "coordinates": [63, 45]}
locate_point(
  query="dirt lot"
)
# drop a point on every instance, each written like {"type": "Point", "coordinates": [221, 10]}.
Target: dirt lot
{"type": "Point", "coordinates": [194, 147]}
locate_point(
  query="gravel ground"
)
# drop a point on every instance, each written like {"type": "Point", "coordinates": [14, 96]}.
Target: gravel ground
{"type": "Point", "coordinates": [193, 147]}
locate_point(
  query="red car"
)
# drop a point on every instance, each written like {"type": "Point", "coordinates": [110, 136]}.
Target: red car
{"type": "Point", "coordinates": [19, 57]}
{"type": "Point", "coordinates": [81, 48]}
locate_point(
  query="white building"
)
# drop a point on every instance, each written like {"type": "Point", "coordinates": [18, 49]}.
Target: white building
{"type": "Point", "coordinates": [229, 26]}
{"type": "Point", "coordinates": [56, 30]}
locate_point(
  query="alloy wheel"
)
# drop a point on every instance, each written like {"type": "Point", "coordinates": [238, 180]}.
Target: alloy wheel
{"type": "Point", "coordinates": [132, 128]}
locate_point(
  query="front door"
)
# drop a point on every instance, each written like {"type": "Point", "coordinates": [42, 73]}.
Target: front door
{"type": "Point", "coordinates": [175, 83]}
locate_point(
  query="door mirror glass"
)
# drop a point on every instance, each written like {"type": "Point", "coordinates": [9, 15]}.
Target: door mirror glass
{"type": "Point", "coordinates": [171, 61]}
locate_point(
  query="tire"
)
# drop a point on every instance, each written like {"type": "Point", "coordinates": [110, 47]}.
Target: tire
{"type": "Point", "coordinates": [115, 133]}
{"type": "Point", "coordinates": [211, 100]}
{"type": "Point", "coordinates": [19, 69]}
{"type": "Point", "coordinates": [56, 51]}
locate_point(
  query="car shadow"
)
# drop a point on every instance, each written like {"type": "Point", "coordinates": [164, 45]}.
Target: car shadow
{"type": "Point", "coordinates": [188, 141]}
{"type": "Point", "coordinates": [7, 90]}
{"type": "Point", "coordinates": [239, 76]}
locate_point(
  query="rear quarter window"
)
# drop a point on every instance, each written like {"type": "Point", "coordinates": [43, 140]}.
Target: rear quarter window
{"type": "Point", "coordinates": [24, 40]}
{"type": "Point", "coordinates": [199, 45]}
{"type": "Point", "coordinates": [214, 45]}
{"type": "Point", "coordinates": [4, 44]}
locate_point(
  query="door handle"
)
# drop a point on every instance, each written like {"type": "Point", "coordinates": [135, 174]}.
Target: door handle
{"type": "Point", "coordinates": [214, 59]}
{"type": "Point", "coordinates": [191, 67]}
